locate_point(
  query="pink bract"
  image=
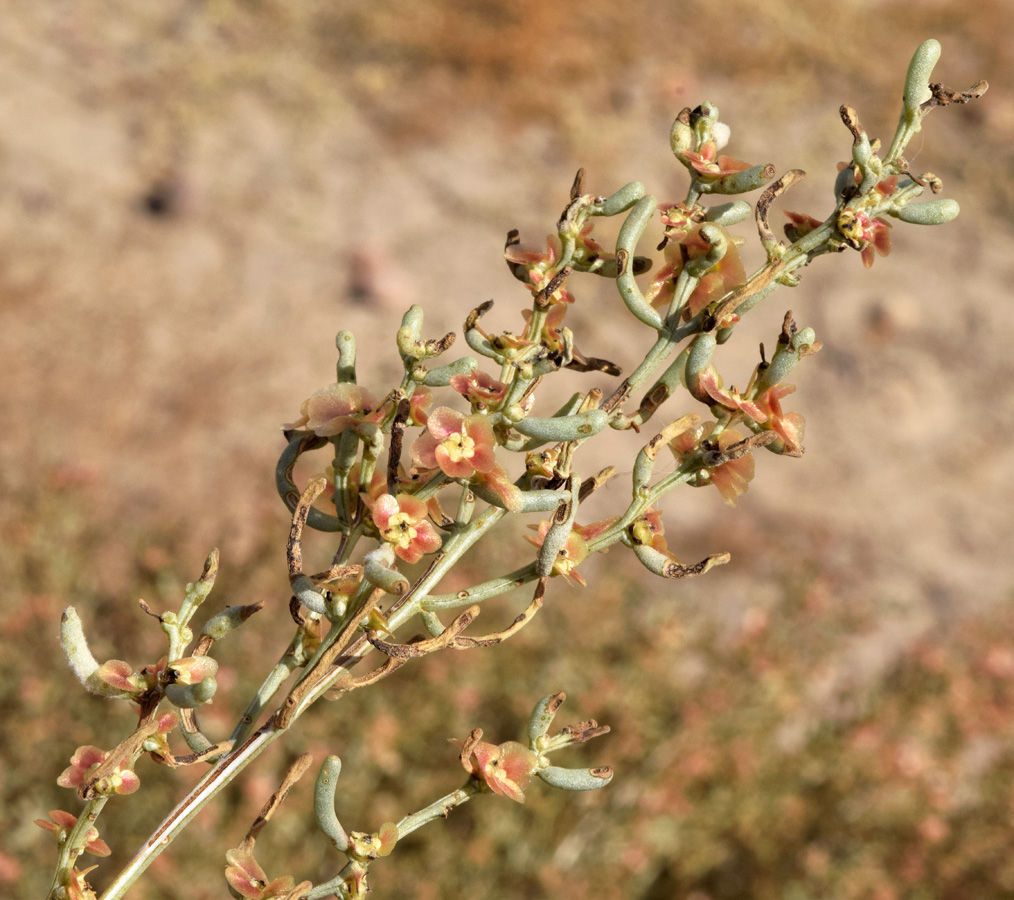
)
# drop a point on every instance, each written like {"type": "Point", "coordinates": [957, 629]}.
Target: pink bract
{"type": "Point", "coordinates": [332, 408]}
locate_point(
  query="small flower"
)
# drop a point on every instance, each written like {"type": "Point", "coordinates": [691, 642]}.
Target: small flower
{"type": "Point", "coordinates": [480, 389]}
{"type": "Point", "coordinates": [499, 482]}
{"type": "Point", "coordinates": [333, 408]}
{"type": "Point", "coordinates": [402, 523]}
{"type": "Point", "coordinates": [459, 445]}
{"type": "Point", "coordinates": [529, 257]}
{"type": "Point", "coordinates": [574, 551]}
{"type": "Point", "coordinates": [77, 887]}
{"type": "Point", "coordinates": [505, 768]}
{"type": "Point", "coordinates": [418, 405]}
{"type": "Point", "coordinates": [247, 878]}
{"type": "Point", "coordinates": [157, 744]}
{"type": "Point", "coordinates": [648, 530]}
{"type": "Point", "coordinates": [61, 825]}
{"type": "Point", "coordinates": [731, 478]}
{"type": "Point", "coordinates": [788, 426]}
{"type": "Point", "coordinates": [85, 761]}
{"type": "Point", "coordinates": [709, 386]}
{"type": "Point", "coordinates": [542, 463]}
{"type": "Point", "coordinates": [800, 225]}
{"type": "Point", "coordinates": [877, 234]}
{"type": "Point", "coordinates": [191, 670]}
{"type": "Point", "coordinates": [120, 675]}
{"type": "Point", "coordinates": [709, 166]}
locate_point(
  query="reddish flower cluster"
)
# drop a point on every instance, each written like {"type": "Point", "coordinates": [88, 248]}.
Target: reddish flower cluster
{"type": "Point", "coordinates": [683, 239]}
{"type": "Point", "coordinates": [732, 478]}
{"type": "Point", "coordinates": [85, 761]}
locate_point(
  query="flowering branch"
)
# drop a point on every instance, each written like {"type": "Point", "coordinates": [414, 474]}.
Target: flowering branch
{"type": "Point", "coordinates": [409, 488]}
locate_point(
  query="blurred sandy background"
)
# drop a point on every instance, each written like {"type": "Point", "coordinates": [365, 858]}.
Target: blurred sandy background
{"type": "Point", "coordinates": [196, 195]}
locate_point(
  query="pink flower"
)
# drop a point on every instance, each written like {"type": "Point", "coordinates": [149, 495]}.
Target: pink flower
{"type": "Point", "coordinates": [499, 482]}
{"type": "Point", "coordinates": [419, 403]}
{"type": "Point", "coordinates": [120, 675]}
{"type": "Point", "coordinates": [61, 826]}
{"type": "Point", "coordinates": [871, 236]}
{"type": "Point", "coordinates": [191, 670]}
{"type": "Point", "coordinates": [332, 408]}
{"type": "Point", "coordinates": [83, 764]}
{"type": "Point", "coordinates": [459, 445]}
{"type": "Point", "coordinates": [574, 551]}
{"type": "Point", "coordinates": [505, 769]}
{"type": "Point", "coordinates": [731, 478]}
{"type": "Point", "coordinates": [800, 225]}
{"type": "Point", "coordinates": [481, 390]}
{"type": "Point", "coordinates": [247, 878]}
{"type": "Point", "coordinates": [708, 387]}
{"type": "Point", "coordinates": [877, 234]}
{"type": "Point", "coordinates": [788, 426]}
{"type": "Point", "coordinates": [77, 888]}
{"type": "Point", "coordinates": [711, 168]}
{"type": "Point", "coordinates": [402, 523]}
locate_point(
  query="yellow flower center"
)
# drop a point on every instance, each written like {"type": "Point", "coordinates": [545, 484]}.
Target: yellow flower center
{"type": "Point", "coordinates": [400, 530]}
{"type": "Point", "coordinates": [459, 446]}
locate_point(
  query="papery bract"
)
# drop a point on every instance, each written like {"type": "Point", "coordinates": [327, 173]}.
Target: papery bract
{"type": "Point", "coordinates": [248, 879]}
{"type": "Point", "coordinates": [709, 166]}
{"type": "Point", "coordinates": [788, 426]}
{"type": "Point", "coordinates": [480, 389]}
{"type": "Point", "coordinates": [332, 408]}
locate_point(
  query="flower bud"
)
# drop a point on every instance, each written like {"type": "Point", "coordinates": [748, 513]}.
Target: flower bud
{"type": "Point", "coordinates": [564, 428]}
{"type": "Point", "coordinates": [920, 69]}
{"type": "Point", "coordinates": [741, 182]}
{"type": "Point", "coordinates": [731, 213]}
{"type": "Point", "coordinates": [698, 361]}
{"type": "Point", "coordinates": [622, 200]}
{"type": "Point", "coordinates": [190, 696]}
{"type": "Point", "coordinates": [323, 803]}
{"type": "Point", "coordinates": [345, 341]}
{"type": "Point", "coordinates": [681, 135]}
{"type": "Point", "coordinates": [542, 717]}
{"type": "Point", "coordinates": [936, 212]}
{"type": "Point", "coordinates": [575, 779]}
